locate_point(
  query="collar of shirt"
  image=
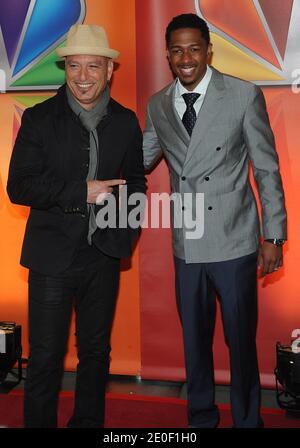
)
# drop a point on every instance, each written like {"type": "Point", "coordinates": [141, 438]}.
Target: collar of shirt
{"type": "Point", "coordinates": [201, 88]}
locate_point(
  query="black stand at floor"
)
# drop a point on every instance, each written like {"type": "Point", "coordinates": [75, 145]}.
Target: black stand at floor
{"type": "Point", "coordinates": [6, 385]}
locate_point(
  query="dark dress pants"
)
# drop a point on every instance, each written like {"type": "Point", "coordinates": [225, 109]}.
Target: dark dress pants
{"type": "Point", "coordinates": [93, 290]}
{"type": "Point", "coordinates": [235, 281]}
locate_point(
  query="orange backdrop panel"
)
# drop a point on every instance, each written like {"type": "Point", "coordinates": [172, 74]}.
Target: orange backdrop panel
{"type": "Point", "coordinates": [118, 17]}
{"type": "Point", "coordinates": [136, 28]}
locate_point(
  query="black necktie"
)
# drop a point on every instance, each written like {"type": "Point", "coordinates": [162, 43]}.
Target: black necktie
{"type": "Point", "coordinates": [189, 117]}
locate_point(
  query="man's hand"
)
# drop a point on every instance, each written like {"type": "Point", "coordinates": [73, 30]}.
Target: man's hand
{"type": "Point", "coordinates": [269, 258]}
{"type": "Point", "coordinates": [99, 189]}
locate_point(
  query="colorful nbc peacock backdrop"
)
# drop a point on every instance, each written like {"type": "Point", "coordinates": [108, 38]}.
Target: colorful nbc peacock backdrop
{"type": "Point", "coordinates": [254, 39]}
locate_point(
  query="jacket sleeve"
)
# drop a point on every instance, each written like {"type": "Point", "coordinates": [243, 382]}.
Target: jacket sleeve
{"type": "Point", "coordinates": [28, 182]}
{"type": "Point", "coordinates": [260, 143]}
{"type": "Point", "coordinates": [133, 169]}
{"type": "Point", "coordinates": [151, 146]}
{"type": "Point", "coordinates": [133, 172]}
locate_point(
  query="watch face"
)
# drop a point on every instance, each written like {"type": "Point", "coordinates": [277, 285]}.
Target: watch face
{"type": "Point", "coordinates": [278, 242]}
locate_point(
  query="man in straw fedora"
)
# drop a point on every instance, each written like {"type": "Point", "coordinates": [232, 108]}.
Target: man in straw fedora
{"type": "Point", "coordinates": [72, 149]}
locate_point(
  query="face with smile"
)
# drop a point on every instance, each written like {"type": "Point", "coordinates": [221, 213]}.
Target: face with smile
{"type": "Point", "coordinates": [188, 54]}
{"type": "Point", "coordinates": [87, 77]}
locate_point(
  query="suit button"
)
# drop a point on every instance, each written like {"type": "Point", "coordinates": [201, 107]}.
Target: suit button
{"type": "Point", "coordinates": [210, 207]}
{"type": "Point", "coordinates": [218, 148]}
{"type": "Point", "coordinates": [183, 178]}
{"type": "Point", "coordinates": [207, 178]}
{"type": "Point", "coordinates": [183, 208]}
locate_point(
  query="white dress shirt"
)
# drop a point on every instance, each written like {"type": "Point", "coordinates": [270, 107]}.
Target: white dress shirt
{"type": "Point", "coordinates": [201, 88]}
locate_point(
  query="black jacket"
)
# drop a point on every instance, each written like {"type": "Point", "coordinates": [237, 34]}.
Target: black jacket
{"type": "Point", "coordinates": [48, 171]}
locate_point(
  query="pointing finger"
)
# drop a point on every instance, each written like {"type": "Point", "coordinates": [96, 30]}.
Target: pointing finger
{"type": "Point", "coordinates": [114, 182]}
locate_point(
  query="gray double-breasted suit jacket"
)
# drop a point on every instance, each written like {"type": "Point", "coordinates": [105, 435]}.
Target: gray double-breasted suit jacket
{"type": "Point", "coordinates": [232, 129]}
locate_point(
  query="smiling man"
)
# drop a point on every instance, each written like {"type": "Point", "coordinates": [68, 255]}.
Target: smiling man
{"type": "Point", "coordinates": [209, 127]}
{"type": "Point", "coordinates": [87, 77]}
{"type": "Point", "coordinates": [72, 149]}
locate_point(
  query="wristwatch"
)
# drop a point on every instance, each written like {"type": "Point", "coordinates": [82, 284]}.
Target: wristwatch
{"type": "Point", "coordinates": [276, 241]}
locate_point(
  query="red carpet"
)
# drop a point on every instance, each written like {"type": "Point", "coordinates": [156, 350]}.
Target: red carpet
{"type": "Point", "coordinates": [132, 411]}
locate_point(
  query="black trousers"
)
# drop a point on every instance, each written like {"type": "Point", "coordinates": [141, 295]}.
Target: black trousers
{"type": "Point", "coordinates": [93, 290]}
{"type": "Point", "coordinates": [235, 281]}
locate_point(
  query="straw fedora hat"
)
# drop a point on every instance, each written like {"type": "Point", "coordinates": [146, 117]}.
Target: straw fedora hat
{"type": "Point", "coordinates": [87, 39]}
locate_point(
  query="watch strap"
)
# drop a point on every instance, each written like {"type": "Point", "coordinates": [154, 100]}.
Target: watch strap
{"type": "Point", "coordinates": [276, 241]}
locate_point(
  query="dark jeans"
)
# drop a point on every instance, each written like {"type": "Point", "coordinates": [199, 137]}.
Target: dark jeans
{"type": "Point", "coordinates": [236, 284]}
{"type": "Point", "coordinates": [93, 290]}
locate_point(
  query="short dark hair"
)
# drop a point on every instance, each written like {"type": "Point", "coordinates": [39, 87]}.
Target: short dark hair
{"type": "Point", "coordinates": [187, 21]}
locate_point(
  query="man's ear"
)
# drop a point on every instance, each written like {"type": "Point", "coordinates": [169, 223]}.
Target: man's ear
{"type": "Point", "coordinates": [209, 49]}
{"type": "Point", "coordinates": [110, 69]}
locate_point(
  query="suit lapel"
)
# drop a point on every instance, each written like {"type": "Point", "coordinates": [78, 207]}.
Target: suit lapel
{"type": "Point", "coordinates": [209, 110]}
{"type": "Point", "coordinates": [172, 115]}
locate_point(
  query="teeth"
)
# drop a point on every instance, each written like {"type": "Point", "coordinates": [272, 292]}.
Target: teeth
{"type": "Point", "coordinates": [84, 86]}
{"type": "Point", "coordinates": [187, 70]}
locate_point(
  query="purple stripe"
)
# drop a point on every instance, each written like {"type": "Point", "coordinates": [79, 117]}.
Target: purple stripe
{"type": "Point", "coordinates": [12, 18]}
